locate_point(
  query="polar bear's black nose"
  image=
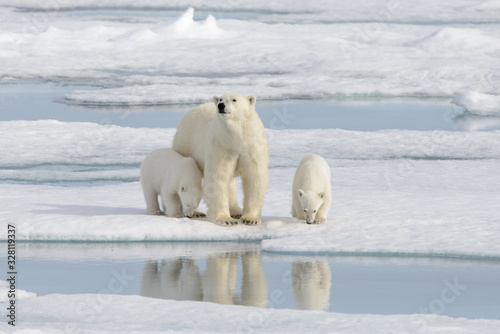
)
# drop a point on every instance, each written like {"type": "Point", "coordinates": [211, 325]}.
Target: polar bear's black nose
{"type": "Point", "coordinates": [221, 107]}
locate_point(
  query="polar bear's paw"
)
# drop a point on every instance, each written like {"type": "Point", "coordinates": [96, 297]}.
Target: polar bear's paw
{"type": "Point", "coordinates": [226, 221]}
{"type": "Point", "coordinates": [250, 221]}
{"type": "Point", "coordinates": [198, 214]}
{"type": "Point", "coordinates": [235, 213]}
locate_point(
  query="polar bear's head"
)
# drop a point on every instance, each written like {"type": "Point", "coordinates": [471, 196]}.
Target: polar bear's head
{"type": "Point", "coordinates": [234, 106]}
{"type": "Point", "coordinates": [189, 190]}
{"type": "Point", "coordinates": [310, 201]}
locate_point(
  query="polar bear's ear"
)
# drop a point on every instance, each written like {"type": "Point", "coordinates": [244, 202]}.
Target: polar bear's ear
{"type": "Point", "coordinates": [216, 100]}
{"type": "Point", "coordinates": [301, 192]}
{"type": "Point", "coordinates": [252, 100]}
{"type": "Point", "coordinates": [321, 195]}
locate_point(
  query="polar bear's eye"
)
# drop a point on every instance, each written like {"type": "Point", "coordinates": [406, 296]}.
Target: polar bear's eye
{"type": "Point", "coordinates": [234, 100]}
{"type": "Point", "coordinates": [314, 211]}
{"type": "Point", "coordinates": [305, 210]}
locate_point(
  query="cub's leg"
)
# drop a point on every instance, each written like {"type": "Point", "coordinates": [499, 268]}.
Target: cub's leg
{"type": "Point", "coordinates": [323, 211]}
{"type": "Point", "coordinates": [172, 204]}
{"type": "Point", "coordinates": [151, 198]}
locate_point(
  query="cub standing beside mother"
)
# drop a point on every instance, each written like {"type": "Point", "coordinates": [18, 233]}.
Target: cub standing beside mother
{"type": "Point", "coordinates": [226, 138]}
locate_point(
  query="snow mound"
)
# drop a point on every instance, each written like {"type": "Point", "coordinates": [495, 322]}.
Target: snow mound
{"type": "Point", "coordinates": [478, 103]}
{"type": "Point", "coordinates": [186, 27]}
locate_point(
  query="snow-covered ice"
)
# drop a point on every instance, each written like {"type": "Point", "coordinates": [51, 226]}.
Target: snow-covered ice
{"type": "Point", "coordinates": [133, 314]}
{"type": "Point", "coordinates": [389, 188]}
{"type": "Point", "coordinates": [479, 103]}
{"type": "Point", "coordinates": [273, 50]}
{"type": "Point", "coordinates": [5, 287]}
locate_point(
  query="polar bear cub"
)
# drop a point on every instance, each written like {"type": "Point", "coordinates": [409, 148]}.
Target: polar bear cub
{"type": "Point", "coordinates": [176, 179]}
{"type": "Point", "coordinates": [311, 190]}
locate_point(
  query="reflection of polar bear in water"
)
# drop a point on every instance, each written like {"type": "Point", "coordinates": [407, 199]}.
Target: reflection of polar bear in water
{"type": "Point", "coordinates": [226, 138]}
{"type": "Point", "coordinates": [180, 279]}
{"type": "Point", "coordinates": [220, 279]}
{"type": "Point", "coordinates": [311, 284]}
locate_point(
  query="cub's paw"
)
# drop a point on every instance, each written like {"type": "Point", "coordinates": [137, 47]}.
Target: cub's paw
{"type": "Point", "coordinates": [226, 221]}
{"type": "Point", "coordinates": [158, 213]}
{"type": "Point", "coordinates": [198, 214]}
{"type": "Point", "coordinates": [319, 221]}
{"type": "Point", "coordinates": [250, 221]}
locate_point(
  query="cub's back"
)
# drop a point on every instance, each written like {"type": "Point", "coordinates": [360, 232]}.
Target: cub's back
{"type": "Point", "coordinates": [311, 170]}
{"type": "Point", "coordinates": [158, 165]}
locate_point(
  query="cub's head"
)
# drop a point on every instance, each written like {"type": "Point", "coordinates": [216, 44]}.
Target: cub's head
{"type": "Point", "coordinates": [311, 202]}
{"type": "Point", "coordinates": [190, 190]}
{"type": "Point", "coordinates": [234, 106]}
{"type": "Point", "coordinates": [190, 199]}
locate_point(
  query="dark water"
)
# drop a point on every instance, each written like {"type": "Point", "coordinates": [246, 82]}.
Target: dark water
{"type": "Point", "coordinates": [239, 274]}
{"type": "Point", "coordinates": [46, 101]}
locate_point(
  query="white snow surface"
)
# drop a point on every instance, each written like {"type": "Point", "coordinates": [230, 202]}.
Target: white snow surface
{"type": "Point", "coordinates": [275, 50]}
{"type": "Point", "coordinates": [394, 192]}
{"type": "Point", "coordinates": [5, 291]}
{"type": "Point", "coordinates": [134, 314]}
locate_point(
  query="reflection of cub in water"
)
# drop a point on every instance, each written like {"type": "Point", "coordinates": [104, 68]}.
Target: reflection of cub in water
{"type": "Point", "coordinates": [177, 279]}
{"type": "Point", "coordinates": [180, 279]}
{"type": "Point", "coordinates": [311, 284]}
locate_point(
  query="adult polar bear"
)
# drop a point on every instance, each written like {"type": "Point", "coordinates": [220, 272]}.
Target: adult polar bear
{"type": "Point", "coordinates": [226, 138]}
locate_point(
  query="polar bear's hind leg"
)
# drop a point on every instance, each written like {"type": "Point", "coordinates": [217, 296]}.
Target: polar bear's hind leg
{"type": "Point", "coordinates": [254, 193]}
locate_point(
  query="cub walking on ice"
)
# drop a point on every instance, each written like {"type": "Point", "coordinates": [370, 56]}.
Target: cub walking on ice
{"type": "Point", "coordinates": [176, 179]}
{"type": "Point", "coordinates": [312, 195]}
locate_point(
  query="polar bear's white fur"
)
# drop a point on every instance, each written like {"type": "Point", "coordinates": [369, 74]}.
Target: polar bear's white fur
{"type": "Point", "coordinates": [311, 195]}
{"type": "Point", "coordinates": [180, 279]}
{"type": "Point", "coordinates": [176, 179]}
{"type": "Point", "coordinates": [226, 138]}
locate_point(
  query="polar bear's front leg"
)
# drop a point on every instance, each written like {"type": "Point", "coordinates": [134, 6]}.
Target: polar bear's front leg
{"type": "Point", "coordinates": [234, 208]}
{"type": "Point", "coordinates": [219, 171]}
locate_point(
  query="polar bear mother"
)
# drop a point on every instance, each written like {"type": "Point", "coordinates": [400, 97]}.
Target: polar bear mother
{"type": "Point", "coordinates": [226, 138]}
